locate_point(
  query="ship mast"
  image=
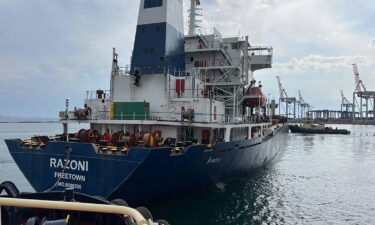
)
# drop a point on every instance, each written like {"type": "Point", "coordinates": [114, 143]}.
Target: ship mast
{"type": "Point", "coordinates": [193, 17]}
{"type": "Point", "coordinates": [115, 70]}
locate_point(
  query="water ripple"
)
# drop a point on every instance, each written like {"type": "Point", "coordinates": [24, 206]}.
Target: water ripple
{"type": "Point", "coordinates": [317, 180]}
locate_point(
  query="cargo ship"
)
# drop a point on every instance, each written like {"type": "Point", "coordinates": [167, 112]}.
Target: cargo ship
{"type": "Point", "coordinates": [186, 114]}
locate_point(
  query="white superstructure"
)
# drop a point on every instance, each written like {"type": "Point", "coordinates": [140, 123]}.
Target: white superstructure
{"type": "Point", "coordinates": [205, 99]}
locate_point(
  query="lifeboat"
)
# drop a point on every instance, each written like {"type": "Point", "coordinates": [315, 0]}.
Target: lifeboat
{"type": "Point", "coordinates": [255, 97]}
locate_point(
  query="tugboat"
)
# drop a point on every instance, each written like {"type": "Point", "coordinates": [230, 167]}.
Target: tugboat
{"type": "Point", "coordinates": [307, 128]}
{"type": "Point", "coordinates": [184, 115]}
{"type": "Point", "coordinates": [67, 208]}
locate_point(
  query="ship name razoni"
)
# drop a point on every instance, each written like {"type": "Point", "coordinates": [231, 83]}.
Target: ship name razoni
{"type": "Point", "coordinates": [70, 164]}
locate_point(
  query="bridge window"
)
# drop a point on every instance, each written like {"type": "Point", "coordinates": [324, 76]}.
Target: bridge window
{"type": "Point", "coordinates": [256, 132]}
{"type": "Point", "coordinates": [235, 45]}
{"type": "Point", "coordinates": [153, 3]}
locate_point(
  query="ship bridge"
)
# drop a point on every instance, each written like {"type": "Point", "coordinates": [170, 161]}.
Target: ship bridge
{"type": "Point", "coordinates": [225, 63]}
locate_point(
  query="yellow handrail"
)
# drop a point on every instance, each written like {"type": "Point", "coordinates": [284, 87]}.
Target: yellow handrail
{"type": "Point", "coordinates": [74, 206]}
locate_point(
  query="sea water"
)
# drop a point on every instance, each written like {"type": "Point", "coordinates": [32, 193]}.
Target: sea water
{"type": "Point", "coordinates": [316, 179]}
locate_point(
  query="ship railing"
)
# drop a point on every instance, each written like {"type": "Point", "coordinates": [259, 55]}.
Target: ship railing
{"type": "Point", "coordinates": [169, 116]}
{"type": "Point", "coordinates": [75, 206]}
{"type": "Point", "coordinates": [261, 50]}
{"type": "Point", "coordinates": [214, 63]}
{"type": "Point", "coordinates": [198, 117]}
{"type": "Point", "coordinates": [100, 115]}
{"type": "Point", "coordinates": [121, 71]}
{"type": "Point", "coordinates": [124, 70]}
{"type": "Point", "coordinates": [154, 69]}
{"type": "Point", "coordinates": [208, 45]}
{"type": "Point", "coordinates": [245, 120]}
{"type": "Point", "coordinates": [175, 116]}
{"type": "Point", "coordinates": [195, 93]}
{"type": "Point", "coordinates": [210, 31]}
{"type": "Point", "coordinates": [178, 72]}
{"type": "Point", "coordinates": [232, 36]}
{"type": "Point", "coordinates": [98, 94]}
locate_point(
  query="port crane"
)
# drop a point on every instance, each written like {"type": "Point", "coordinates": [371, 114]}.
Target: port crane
{"type": "Point", "coordinates": [303, 106]}
{"type": "Point", "coordinates": [345, 104]}
{"type": "Point", "coordinates": [361, 94]}
{"type": "Point", "coordinates": [287, 100]}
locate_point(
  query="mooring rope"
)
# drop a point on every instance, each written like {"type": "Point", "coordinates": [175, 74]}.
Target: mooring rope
{"type": "Point", "coordinates": [69, 150]}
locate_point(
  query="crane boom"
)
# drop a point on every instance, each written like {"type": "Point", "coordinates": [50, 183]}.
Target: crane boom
{"type": "Point", "coordinates": [281, 89]}
{"type": "Point", "coordinates": [356, 77]}
{"type": "Point", "coordinates": [301, 100]}
{"type": "Point", "coordinates": [343, 98]}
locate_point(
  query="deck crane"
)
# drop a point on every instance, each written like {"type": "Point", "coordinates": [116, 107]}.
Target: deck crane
{"type": "Point", "coordinates": [284, 98]}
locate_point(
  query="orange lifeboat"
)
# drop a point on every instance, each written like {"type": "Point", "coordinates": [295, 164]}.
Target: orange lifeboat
{"type": "Point", "coordinates": [256, 97]}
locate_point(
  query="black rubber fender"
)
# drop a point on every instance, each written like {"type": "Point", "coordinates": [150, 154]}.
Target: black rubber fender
{"type": "Point", "coordinates": [120, 202]}
{"type": "Point", "coordinates": [10, 188]}
{"type": "Point", "coordinates": [102, 199]}
{"type": "Point", "coordinates": [145, 212]}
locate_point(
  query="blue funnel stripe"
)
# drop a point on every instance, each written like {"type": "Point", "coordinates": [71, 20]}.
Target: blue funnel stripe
{"type": "Point", "coordinates": [157, 46]}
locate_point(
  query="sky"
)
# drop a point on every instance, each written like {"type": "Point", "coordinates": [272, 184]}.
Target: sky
{"type": "Point", "coordinates": [51, 50]}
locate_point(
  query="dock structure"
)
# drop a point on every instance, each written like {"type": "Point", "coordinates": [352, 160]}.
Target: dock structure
{"type": "Point", "coordinates": [327, 114]}
{"type": "Point", "coordinates": [360, 111]}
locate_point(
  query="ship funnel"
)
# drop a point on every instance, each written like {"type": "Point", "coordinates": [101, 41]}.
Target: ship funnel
{"type": "Point", "coordinates": [159, 39]}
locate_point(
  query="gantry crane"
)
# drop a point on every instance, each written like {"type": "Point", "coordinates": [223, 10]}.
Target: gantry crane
{"type": "Point", "coordinates": [346, 106]}
{"type": "Point", "coordinates": [303, 106]}
{"type": "Point", "coordinates": [287, 100]}
{"type": "Point", "coordinates": [362, 93]}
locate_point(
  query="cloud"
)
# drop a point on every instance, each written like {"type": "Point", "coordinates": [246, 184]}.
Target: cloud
{"type": "Point", "coordinates": [321, 63]}
{"type": "Point", "coordinates": [52, 50]}
{"type": "Point", "coordinates": [372, 44]}
{"type": "Point", "coordinates": [320, 77]}
{"type": "Point", "coordinates": [315, 43]}
{"type": "Point", "coordinates": [58, 50]}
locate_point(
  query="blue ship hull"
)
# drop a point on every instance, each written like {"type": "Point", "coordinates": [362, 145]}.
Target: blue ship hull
{"type": "Point", "coordinates": [144, 175]}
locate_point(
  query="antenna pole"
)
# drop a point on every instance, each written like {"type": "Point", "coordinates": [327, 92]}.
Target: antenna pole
{"type": "Point", "coordinates": [66, 130]}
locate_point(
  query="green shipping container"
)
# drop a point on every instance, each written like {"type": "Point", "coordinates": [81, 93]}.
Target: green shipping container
{"type": "Point", "coordinates": [131, 110]}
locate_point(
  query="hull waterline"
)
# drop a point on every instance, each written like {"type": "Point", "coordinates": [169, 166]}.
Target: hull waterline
{"type": "Point", "coordinates": [143, 175]}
